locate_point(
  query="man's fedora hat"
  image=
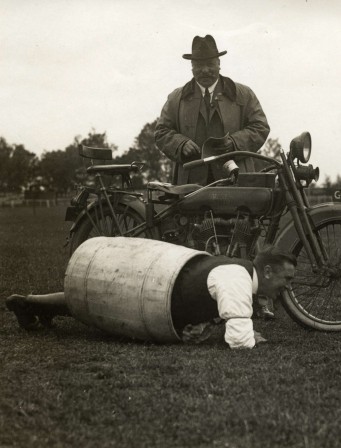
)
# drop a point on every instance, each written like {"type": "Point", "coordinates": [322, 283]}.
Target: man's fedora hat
{"type": "Point", "coordinates": [204, 48]}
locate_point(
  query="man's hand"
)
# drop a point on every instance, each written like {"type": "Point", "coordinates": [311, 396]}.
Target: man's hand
{"type": "Point", "coordinates": [259, 338]}
{"type": "Point", "coordinates": [190, 149]}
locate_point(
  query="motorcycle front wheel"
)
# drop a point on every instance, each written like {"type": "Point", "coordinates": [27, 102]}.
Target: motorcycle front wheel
{"type": "Point", "coordinates": [103, 224]}
{"type": "Point", "coordinates": [314, 299]}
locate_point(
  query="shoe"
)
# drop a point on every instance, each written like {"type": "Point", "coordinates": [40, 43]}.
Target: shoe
{"type": "Point", "coordinates": [265, 313]}
{"type": "Point", "coordinates": [26, 319]}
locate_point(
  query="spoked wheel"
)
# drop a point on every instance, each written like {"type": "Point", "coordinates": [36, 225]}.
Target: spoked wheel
{"type": "Point", "coordinates": [104, 225]}
{"type": "Point", "coordinates": [314, 299]}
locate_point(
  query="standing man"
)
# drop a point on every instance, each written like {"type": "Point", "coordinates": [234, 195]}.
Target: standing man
{"type": "Point", "coordinates": [210, 105]}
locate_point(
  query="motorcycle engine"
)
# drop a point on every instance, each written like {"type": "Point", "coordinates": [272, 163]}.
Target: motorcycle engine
{"type": "Point", "coordinates": [212, 235]}
{"type": "Point", "coordinates": [234, 237]}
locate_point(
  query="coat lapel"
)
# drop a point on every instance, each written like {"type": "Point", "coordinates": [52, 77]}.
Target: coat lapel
{"type": "Point", "coordinates": [224, 101]}
{"type": "Point", "coordinates": [189, 109]}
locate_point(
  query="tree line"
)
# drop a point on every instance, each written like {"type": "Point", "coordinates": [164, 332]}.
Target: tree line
{"type": "Point", "coordinates": [61, 170]}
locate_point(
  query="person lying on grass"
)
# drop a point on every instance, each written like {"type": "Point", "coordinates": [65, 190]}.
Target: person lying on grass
{"type": "Point", "coordinates": [207, 291]}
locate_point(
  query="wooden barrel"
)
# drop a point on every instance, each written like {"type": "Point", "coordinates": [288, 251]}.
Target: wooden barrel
{"type": "Point", "coordinates": [124, 285]}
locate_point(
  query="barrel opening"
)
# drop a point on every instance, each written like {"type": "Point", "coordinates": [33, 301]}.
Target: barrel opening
{"type": "Point", "coordinates": [181, 308]}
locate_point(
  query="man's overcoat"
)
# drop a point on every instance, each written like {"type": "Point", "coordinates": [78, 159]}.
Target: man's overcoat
{"type": "Point", "coordinates": [182, 118]}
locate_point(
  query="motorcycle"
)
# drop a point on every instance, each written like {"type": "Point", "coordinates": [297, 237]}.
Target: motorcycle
{"type": "Point", "coordinates": [234, 216]}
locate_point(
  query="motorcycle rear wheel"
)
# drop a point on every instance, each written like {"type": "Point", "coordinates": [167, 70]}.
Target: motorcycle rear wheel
{"type": "Point", "coordinates": [127, 218]}
{"type": "Point", "coordinates": [314, 299]}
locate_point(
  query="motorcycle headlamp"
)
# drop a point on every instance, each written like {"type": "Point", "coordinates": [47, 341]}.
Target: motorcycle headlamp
{"type": "Point", "coordinates": [307, 173]}
{"type": "Point", "coordinates": [300, 147]}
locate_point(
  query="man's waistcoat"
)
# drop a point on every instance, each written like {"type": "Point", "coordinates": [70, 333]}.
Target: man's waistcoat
{"type": "Point", "coordinates": [191, 300]}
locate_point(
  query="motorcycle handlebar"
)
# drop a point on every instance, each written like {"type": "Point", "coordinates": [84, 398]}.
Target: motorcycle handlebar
{"type": "Point", "coordinates": [193, 164]}
{"type": "Point", "coordinates": [200, 162]}
{"type": "Point", "coordinates": [230, 155]}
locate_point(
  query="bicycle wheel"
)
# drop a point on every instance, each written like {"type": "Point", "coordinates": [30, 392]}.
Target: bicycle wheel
{"type": "Point", "coordinates": [105, 225]}
{"type": "Point", "coordinates": [314, 299]}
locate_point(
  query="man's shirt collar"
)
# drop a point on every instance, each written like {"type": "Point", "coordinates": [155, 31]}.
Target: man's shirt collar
{"type": "Point", "coordinates": [210, 89]}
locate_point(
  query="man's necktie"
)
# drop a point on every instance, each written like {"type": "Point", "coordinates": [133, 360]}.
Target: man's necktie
{"type": "Point", "coordinates": [207, 99]}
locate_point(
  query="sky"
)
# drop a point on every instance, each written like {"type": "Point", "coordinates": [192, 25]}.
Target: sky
{"type": "Point", "coordinates": [72, 66]}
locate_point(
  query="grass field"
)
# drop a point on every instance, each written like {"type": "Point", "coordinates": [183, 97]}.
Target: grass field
{"type": "Point", "coordinates": [73, 386]}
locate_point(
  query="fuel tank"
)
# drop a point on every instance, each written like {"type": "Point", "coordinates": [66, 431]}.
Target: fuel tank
{"type": "Point", "coordinates": [258, 201]}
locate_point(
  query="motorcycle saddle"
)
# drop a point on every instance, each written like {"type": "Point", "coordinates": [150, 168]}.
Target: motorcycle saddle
{"type": "Point", "coordinates": [174, 190]}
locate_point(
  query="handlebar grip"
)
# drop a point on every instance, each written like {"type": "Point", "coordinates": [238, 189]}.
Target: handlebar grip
{"type": "Point", "coordinates": [193, 164]}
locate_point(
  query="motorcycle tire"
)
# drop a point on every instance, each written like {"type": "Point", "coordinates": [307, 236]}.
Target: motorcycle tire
{"type": "Point", "coordinates": [127, 218]}
{"type": "Point", "coordinates": [314, 300]}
